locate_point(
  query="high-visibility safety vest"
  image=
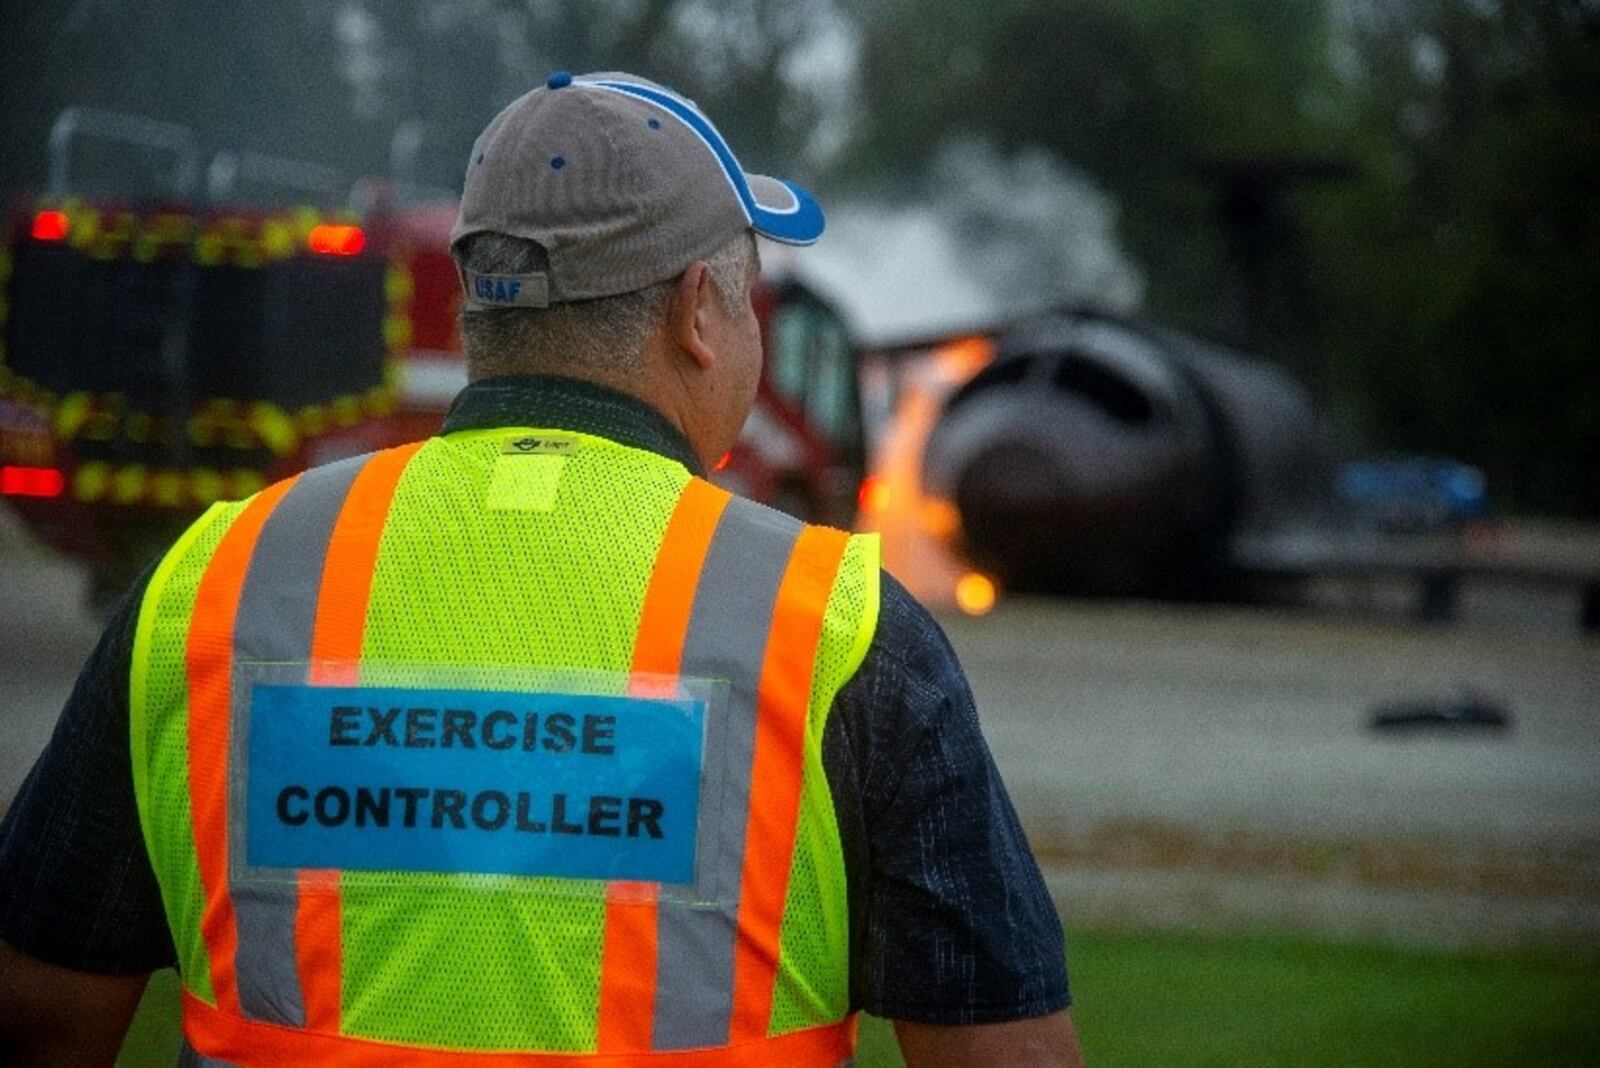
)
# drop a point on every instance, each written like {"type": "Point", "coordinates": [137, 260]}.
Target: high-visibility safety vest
{"type": "Point", "coordinates": [512, 553]}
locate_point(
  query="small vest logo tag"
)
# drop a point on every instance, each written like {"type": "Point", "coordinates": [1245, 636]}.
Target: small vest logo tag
{"type": "Point", "coordinates": [538, 445]}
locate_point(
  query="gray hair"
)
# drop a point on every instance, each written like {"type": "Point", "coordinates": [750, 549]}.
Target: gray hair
{"type": "Point", "coordinates": [605, 335]}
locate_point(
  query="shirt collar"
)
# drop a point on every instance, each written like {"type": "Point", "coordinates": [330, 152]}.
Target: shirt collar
{"type": "Point", "coordinates": [553, 402]}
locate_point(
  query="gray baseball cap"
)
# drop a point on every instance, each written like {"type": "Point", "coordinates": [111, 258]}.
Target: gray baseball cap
{"type": "Point", "coordinates": [622, 181]}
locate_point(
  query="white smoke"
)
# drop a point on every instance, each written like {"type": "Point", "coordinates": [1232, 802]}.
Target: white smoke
{"type": "Point", "coordinates": [997, 236]}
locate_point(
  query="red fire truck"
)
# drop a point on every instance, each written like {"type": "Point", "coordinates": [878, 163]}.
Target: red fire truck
{"type": "Point", "coordinates": [158, 356]}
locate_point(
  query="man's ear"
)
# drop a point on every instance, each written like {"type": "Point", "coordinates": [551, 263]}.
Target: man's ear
{"type": "Point", "coordinates": [687, 316]}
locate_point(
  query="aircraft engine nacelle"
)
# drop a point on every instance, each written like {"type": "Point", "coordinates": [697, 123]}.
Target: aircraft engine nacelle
{"type": "Point", "coordinates": [1095, 456]}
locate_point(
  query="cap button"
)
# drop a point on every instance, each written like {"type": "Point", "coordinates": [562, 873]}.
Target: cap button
{"type": "Point", "coordinates": [559, 80]}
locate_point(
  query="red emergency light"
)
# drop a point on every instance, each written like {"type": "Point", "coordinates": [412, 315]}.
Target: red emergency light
{"type": "Point", "coordinates": [50, 226]}
{"type": "Point", "coordinates": [31, 482]}
{"type": "Point", "coordinates": [329, 239]}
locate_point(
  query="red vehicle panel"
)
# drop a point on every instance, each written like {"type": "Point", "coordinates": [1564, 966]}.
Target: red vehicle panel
{"type": "Point", "coordinates": [158, 359]}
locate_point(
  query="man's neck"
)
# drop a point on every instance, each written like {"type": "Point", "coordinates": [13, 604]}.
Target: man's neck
{"type": "Point", "coordinates": [667, 399]}
{"type": "Point", "coordinates": [564, 402]}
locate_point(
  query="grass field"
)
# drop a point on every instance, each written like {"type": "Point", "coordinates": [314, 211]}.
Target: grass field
{"type": "Point", "coordinates": [1172, 1000]}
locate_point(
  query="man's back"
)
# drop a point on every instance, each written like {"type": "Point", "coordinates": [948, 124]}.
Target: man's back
{"type": "Point", "coordinates": [364, 629]}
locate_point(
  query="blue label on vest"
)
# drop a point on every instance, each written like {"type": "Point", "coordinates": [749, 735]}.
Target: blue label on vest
{"type": "Point", "coordinates": [398, 779]}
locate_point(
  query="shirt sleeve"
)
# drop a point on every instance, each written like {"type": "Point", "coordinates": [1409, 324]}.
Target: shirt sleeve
{"type": "Point", "coordinates": [76, 887]}
{"type": "Point", "coordinates": [950, 919]}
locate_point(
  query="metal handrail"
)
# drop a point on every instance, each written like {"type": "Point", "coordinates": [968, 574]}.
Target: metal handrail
{"type": "Point", "coordinates": [76, 122]}
{"type": "Point", "coordinates": [227, 169]}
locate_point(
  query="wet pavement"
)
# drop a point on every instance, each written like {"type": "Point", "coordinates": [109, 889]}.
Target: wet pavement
{"type": "Point", "coordinates": [1219, 761]}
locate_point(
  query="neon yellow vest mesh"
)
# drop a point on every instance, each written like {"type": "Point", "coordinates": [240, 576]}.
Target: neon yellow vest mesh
{"type": "Point", "coordinates": [485, 559]}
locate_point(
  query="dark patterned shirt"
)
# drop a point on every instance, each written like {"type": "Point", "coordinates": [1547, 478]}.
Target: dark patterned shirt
{"type": "Point", "coordinates": [950, 922]}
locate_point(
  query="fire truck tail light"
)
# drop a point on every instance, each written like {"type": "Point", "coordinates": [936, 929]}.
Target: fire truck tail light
{"type": "Point", "coordinates": [50, 226]}
{"type": "Point", "coordinates": [31, 482]}
{"type": "Point", "coordinates": [328, 239]}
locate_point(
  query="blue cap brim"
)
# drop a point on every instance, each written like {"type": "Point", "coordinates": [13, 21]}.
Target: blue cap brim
{"type": "Point", "coordinates": [783, 212]}
{"type": "Point", "coordinates": [777, 209]}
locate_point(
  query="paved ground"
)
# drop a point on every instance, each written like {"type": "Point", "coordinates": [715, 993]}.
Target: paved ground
{"type": "Point", "coordinates": [1194, 767]}
{"type": "Point", "coordinates": [1236, 719]}
{"type": "Point", "coordinates": [1211, 764]}
{"type": "Point", "coordinates": [44, 636]}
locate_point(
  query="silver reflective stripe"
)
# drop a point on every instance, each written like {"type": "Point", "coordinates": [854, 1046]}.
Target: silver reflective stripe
{"type": "Point", "coordinates": [727, 639]}
{"type": "Point", "coordinates": [189, 1057]}
{"type": "Point", "coordinates": [276, 617]}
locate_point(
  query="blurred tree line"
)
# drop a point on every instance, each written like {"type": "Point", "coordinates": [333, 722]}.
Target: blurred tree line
{"type": "Point", "coordinates": [1398, 198]}
{"type": "Point", "coordinates": [330, 81]}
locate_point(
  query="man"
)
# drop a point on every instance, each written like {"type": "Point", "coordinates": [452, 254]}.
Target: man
{"type": "Point", "coordinates": [526, 739]}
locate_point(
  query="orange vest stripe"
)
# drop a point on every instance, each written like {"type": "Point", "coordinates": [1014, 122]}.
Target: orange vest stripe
{"type": "Point", "coordinates": [664, 621]}
{"type": "Point", "coordinates": [729, 635]}
{"type": "Point", "coordinates": [318, 937]}
{"type": "Point", "coordinates": [628, 964]}
{"type": "Point", "coordinates": [628, 956]}
{"type": "Point", "coordinates": [273, 624]}
{"type": "Point", "coordinates": [231, 1038]}
{"type": "Point", "coordinates": [627, 968]}
{"type": "Point", "coordinates": [352, 553]}
{"type": "Point", "coordinates": [336, 641]}
{"type": "Point", "coordinates": [783, 701]}
{"type": "Point", "coordinates": [209, 658]}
